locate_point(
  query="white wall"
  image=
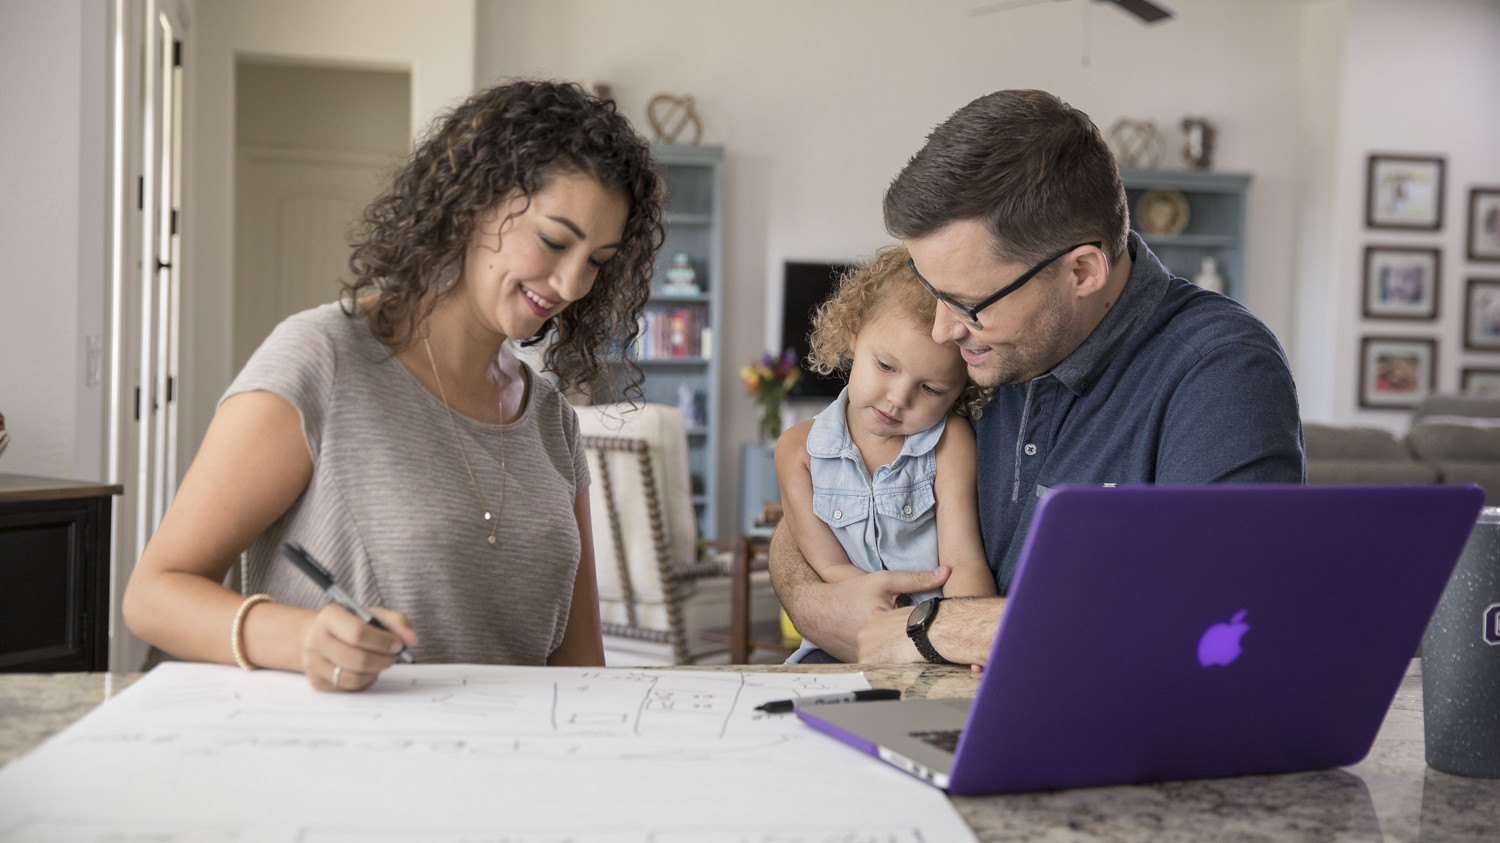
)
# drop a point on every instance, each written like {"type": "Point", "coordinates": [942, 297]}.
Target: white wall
{"type": "Point", "coordinates": [1419, 78]}
{"type": "Point", "coordinates": [1315, 294]}
{"type": "Point", "coordinates": [819, 104]}
{"type": "Point", "coordinates": [52, 220]}
{"type": "Point", "coordinates": [432, 39]}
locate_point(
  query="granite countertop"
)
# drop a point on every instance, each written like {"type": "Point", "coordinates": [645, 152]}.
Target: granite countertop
{"type": "Point", "coordinates": [1389, 796]}
{"type": "Point", "coordinates": [36, 706]}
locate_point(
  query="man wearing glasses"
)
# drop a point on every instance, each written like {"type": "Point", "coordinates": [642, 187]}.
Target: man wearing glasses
{"type": "Point", "coordinates": [1108, 370]}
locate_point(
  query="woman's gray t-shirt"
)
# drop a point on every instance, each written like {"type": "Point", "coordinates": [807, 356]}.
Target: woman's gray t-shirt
{"type": "Point", "coordinates": [390, 510]}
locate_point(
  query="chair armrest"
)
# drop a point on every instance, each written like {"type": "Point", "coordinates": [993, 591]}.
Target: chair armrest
{"type": "Point", "coordinates": [698, 571]}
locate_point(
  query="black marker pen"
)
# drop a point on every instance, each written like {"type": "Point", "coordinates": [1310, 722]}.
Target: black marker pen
{"type": "Point", "coordinates": [783, 706]}
{"type": "Point", "coordinates": [318, 574]}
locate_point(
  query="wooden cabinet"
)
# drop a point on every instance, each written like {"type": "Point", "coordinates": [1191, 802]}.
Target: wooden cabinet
{"type": "Point", "coordinates": [1216, 205]}
{"type": "Point", "coordinates": [54, 574]}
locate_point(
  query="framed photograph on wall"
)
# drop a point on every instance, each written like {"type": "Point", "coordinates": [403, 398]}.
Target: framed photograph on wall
{"type": "Point", "coordinates": [1482, 314]}
{"type": "Point", "coordinates": [1484, 224]}
{"type": "Point", "coordinates": [1401, 283]}
{"type": "Point", "coordinates": [1404, 191]}
{"type": "Point", "coordinates": [1480, 383]}
{"type": "Point", "coordinates": [1396, 372]}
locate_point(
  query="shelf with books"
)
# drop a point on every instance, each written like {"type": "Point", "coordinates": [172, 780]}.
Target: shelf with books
{"type": "Point", "coordinates": [677, 350]}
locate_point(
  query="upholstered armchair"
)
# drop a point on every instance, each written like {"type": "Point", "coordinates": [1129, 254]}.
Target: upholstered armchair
{"type": "Point", "coordinates": [655, 590]}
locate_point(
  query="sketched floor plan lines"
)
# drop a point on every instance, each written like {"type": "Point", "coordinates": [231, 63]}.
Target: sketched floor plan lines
{"type": "Point", "coordinates": [307, 746]}
{"type": "Point", "coordinates": [597, 703]}
{"type": "Point", "coordinates": [463, 754]}
{"type": "Point", "coordinates": [598, 715]}
{"type": "Point", "coordinates": [643, 705]}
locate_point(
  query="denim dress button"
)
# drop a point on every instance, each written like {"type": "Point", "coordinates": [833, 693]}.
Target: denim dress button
{"type": "Point", "coordinates": [1030, 450]}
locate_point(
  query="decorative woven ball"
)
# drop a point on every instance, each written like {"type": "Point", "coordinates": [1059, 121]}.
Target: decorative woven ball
{"type": "Point", "coordinates": [671, 116]}
{"type": "Point", "coordinates": [1137, 143]}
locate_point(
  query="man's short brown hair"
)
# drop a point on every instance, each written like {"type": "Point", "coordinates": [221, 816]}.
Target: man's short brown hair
{"type": "Point", "coordinates": [1032, 168]}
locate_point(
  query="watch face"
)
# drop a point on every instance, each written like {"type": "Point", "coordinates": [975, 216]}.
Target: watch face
{"type": "Point", "coordinates": [921, 616]}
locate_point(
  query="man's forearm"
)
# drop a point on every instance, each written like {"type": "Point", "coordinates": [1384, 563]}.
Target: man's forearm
{"type": "Point", "coordinates": [965, 627]}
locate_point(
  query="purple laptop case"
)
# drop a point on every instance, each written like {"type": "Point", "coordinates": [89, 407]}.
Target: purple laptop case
{"type": "Point", "coordinates": [860, 743]}
{"type": "Point", "coordinates": [1095, 676]}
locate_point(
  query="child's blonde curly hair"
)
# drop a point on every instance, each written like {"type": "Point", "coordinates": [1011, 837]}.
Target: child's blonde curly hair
{"type": "Point", "coordinates": [885, 282]}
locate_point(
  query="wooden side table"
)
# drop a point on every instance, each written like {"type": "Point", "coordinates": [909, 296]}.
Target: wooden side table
{"type": "Point", "coordinates": [742, 636]}
{"type": "Point", "coordinates": [54, 574]}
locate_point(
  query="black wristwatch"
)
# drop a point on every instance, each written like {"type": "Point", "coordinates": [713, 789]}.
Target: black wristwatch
{"type": "Point", "coordinates": [917, 624]}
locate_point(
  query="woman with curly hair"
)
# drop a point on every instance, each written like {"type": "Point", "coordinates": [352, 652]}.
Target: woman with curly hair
{"type": "Point", "coordinates": [396, 437]}
{"type": "Point", "coordinates": [884, 478]}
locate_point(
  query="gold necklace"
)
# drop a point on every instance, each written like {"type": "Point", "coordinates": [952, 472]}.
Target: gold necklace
{"type": "Point", "coordinates": [488, 515]}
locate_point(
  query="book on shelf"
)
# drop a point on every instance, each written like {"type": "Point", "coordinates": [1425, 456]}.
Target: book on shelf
{"type": "Point", "coordinates": [677, 333]}
{"type": "Point", "coordinates": [672, 333]}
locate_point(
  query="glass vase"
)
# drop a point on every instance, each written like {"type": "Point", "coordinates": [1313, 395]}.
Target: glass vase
{"type": "Point", "coordinates": [770, 422]}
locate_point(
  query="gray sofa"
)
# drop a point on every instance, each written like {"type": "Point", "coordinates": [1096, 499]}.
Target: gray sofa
{"type": "Point", "coordinates": [1452, 440]}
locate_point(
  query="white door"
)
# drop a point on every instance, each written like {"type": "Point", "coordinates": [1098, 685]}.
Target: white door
{"type": "Point", "coordinates": [145, 289]}
{"type": "Point", "coordinates": [294, 210]}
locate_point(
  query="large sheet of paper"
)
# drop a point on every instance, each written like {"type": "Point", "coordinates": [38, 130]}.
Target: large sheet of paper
{"type": "Point", "coordinates": [449, 753]}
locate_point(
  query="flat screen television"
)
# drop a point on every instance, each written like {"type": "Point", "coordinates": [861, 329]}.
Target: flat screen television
{"type": "Point", "coordinates": [804, 286]}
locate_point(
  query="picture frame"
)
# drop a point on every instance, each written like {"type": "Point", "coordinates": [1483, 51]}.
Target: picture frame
{"type": "Point", "coordinates": [1401, 282]}
{"type": "Point", "coordinates": [1482, 314]}
{"type": "Point", "coordinates": [1484, 224]}
{"type": "Point", "coordinates": [1396, 372]}
{"type": "Point", "coordinates": [1480, 382]}
{"type": "Point", "coordinates": [1404, 191]}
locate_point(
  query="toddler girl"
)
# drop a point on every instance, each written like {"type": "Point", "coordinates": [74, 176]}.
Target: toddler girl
{"type": "Point", "coordinates": [883, 479]}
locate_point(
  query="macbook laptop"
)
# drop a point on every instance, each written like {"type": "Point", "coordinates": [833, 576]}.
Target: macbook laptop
{"type": "Point", "coordinates": [1158, 633]}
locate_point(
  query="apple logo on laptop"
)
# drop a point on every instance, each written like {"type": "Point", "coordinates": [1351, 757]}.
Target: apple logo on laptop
{"type": "Point", "coordinates": [1220, 644]}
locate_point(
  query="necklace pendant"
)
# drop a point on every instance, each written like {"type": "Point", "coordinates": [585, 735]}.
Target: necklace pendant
{"type": "Point", "coordinates": [488, 516]}
{"type": "Point", "coordinates": [491, 539]}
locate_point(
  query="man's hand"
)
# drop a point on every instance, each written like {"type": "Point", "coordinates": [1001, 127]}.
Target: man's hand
{"type": "Point", "coordinates": [883, 638]}
{"type": "Point", "coordinates": [883, 590]}
{"type": "Point", "coordinates": [850, 605]}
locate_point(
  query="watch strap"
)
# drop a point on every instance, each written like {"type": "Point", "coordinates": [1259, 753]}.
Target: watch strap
{"type": "Point", "coordinates": [918, 635]}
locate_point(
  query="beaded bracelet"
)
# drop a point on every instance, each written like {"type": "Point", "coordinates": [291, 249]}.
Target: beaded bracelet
{"type": "Point", "coordinates": [236, 633]}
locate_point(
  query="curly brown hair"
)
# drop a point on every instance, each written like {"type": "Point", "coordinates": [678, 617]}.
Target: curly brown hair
{"type": "Point", "coordinates": [864, 292]}
{"type": "Point", "coordinates": [510, 140]}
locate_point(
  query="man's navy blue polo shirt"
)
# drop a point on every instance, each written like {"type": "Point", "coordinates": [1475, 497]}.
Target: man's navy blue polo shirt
{"type": "Point", "coordinates": [1175, 385]}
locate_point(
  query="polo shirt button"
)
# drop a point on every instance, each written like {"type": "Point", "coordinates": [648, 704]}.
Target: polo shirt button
{"type": "Point", "coordinates": [1030, 449]}
{"type": "Point", "coordinates": [838, 513]}
{"type": "Point", "coordinates": [906, 510]}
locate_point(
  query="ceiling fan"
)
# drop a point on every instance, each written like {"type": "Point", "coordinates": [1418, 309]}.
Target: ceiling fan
{"type": "Point", "coordinates": [1146, 10]}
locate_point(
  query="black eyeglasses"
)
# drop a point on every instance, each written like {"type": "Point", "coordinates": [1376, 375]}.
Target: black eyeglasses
{"type": "Point", "coordinates": [969, 314]}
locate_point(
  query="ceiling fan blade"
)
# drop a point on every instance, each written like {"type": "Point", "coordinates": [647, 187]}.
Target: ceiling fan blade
{"type": "Point", "coordinates": [1146, 10]}
{"type": "Point", "coordinates": [1005, 6]}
